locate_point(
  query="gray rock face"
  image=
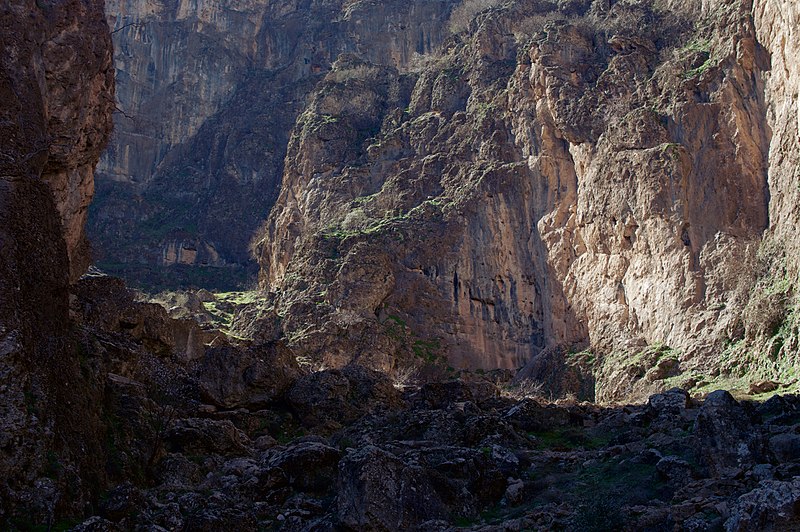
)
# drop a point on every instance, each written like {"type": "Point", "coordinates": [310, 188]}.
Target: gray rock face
{"type": "Point", "coordinates": [772, 506]}
{"type": "Point", "coordinates": [675, 470]}
{"type": "Point", "coordinates": [671, 402]}
{"type": "Point", "coordinates": [307, 466]}
{"type": "Point", "coordinates": [208, 95]}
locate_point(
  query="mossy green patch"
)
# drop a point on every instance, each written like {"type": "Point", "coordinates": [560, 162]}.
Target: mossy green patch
{"type": "Point", "coordinates": [427, 350]}
{"type": "Point", "coordinates": [223, 308]}
{"type": "Point", "coordinates": [568, 439]}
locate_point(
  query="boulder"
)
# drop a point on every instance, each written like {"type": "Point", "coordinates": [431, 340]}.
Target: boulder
{"type": "Point", "coordinates": [233, 377]}
{"type": "Point", "coordinates": [781, 409]}
{"type": "Point", "coordinates": [96, 524]}
{"type": "Point", "coordinates": [772, 506]}
{"type": "Point", "coordinates": [122, 501]}
{"type": "Point", "coordinates": [376, 490]}
{"type": "Point", "coordinates": [763, 387]}
{"type": "Point", "coordinates": [307, 466]}
{"type": "Point", "coordinates": [785, 447]}
{"type": "Point", "coordinates": [205, 436]}
{"type": "Point", "coordinates": [515, 491]}
{"type": "Point", "coordinates": [444, 394]}
{"type": "Point", "coordinates": [669, 403]}
{"type": "Point", "coordinates": [725, 439]}
{"type": "Point", "coordinates": [559, 374]}
{"type": "Point", "coordinates": [531, 416]}
{"type": "Point", "coordinates": [322, 396]}
{"type": "Point", "coordinates": [675, 470]}
{"type": "Point", "coordinates": [341, 396]}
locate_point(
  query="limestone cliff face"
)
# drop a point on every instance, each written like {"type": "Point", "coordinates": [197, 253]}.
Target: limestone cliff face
{"type": "Point", "coordinates": [470, 181]}
{"type": "Point", "coordinates": [57, 93]}
{"type": "Point", "coordinates": [777, 28]}
{"type": "Point", "coordinates": [592, 175]}
{"type": "Point", "coordinates": [208, 94]}
{"type": "Point", "coordinates": [772, 336]}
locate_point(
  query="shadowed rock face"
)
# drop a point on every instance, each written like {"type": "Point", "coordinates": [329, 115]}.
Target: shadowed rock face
{"type": "Point", "coordinates": [208, 94]}
{"type": "Point", "coordinates": [583, 175]}
{"type": "Point", "coordinates": [57, 88]}
{"type": "Point", "coordinates": [57, 97]}
{"type": "Point", "coordinates": [56, 85]}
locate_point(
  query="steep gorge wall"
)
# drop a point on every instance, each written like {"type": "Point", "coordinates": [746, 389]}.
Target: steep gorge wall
{"type": "Point", "coordinates": [58, 98]}
{"type": "Point", "coordinates": [777, 26]}
{"type": "Point", "coordinates": [492, 180]}
{"type": "Point", "coordinates": [771, 340]}
{"type": "Point", "coordinates": [208, 93]}
{"type": "Point", "coordinates": [591, 175]}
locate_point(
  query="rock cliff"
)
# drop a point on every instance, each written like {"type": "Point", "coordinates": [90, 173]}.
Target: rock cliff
{"type": "Point", "coordinates": [58, 98]}
{"type": "Point", "coordinates": [601, 175]}
{"type": "Point", "coordinates": [548, 179]}
{"type": "Point", "coordinates": [469, 182]}
{"type": "Point", "coordinates": [208, 93]}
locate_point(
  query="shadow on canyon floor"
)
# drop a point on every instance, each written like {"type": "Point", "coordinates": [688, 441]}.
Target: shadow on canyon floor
{"type": "Point", "coordinates": [199, 433]}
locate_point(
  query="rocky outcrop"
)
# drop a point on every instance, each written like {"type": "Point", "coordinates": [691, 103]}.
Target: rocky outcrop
{"type": "Point", "coordinates": [380, 492]}
{"type": "Point", "coordinates": [725, 439]}
{"type": "Point", "coordinates": [334, 398]}
{"type": "Point", "coordinates": [78, 100]}
{"type": "Point", "coordinates": [443, 456]}
{"type": "Point", "coordinates": [234, 377]}
{"type": "Point", "coordinates": [771, 506]}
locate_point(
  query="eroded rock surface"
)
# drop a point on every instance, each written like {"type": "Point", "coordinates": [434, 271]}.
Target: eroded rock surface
{"type": "Point", "coordinates": [208, 94]}
{"type": "Point", "coordinates": [443, 456]}
{"type": "Point", "coordinates": [472, 183]}
{"type": "Point", "coordinates": [573, 176]}
{"type": "Point", "coordinates": [470, 211]}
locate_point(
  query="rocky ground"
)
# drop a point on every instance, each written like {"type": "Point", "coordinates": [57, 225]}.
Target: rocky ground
{"type": "Point", "coordinates": [200, 433]}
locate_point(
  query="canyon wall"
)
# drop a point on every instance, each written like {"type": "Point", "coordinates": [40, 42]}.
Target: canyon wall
{"type": "Point", "coordinates": [58, 98]}
{"type": "Point", "coordinates": [600, 175]}
{"type": "Point", "coordinates": [469, 182]}
{"type": "Point", "coordinates": [208, 93]}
